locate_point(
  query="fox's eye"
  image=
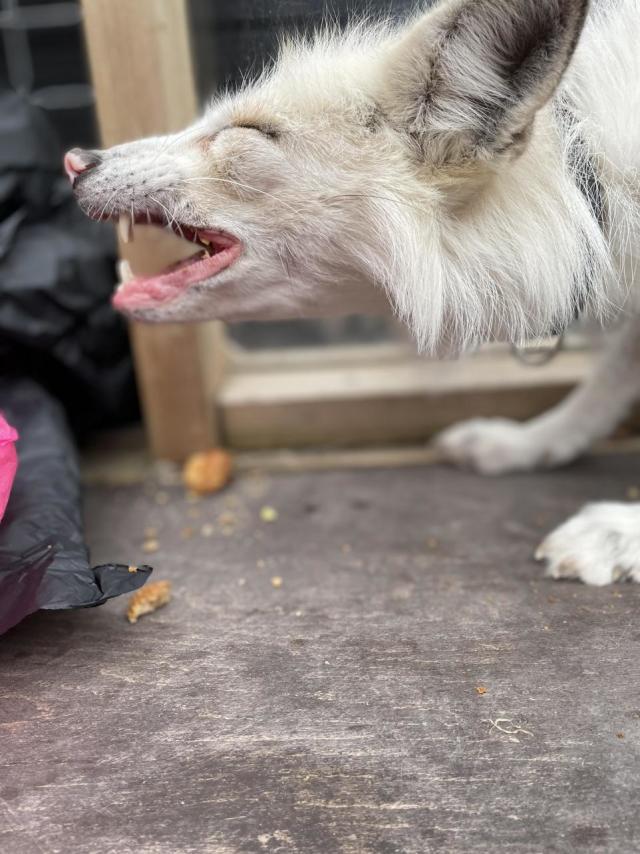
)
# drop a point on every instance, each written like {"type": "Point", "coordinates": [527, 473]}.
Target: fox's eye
{"type": "Point", "coordinates": [265, 130]}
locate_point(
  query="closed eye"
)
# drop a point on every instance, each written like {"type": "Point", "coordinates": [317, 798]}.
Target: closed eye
{"type": "Point", "coordinates": [265, 130]}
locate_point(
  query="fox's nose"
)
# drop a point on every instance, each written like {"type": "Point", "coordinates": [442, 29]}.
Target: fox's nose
{"type": "Point", "coordinates": [77, 161]}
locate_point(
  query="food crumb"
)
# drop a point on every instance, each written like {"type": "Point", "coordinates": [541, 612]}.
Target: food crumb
{"type": "Point", "coordinates": [208, 471]}
{"type": "Point", "coordinates": [276, 581]}
{"type": "Point", "coordinates": [133, 569]}
{"type": "Point", "coordinates": [149, 598]}
{"type": "Point", "coordinates": [187, 533]}
{"type": "Point", "coordinates": [207, 530]}
{"type": "Point", "coordinates": [620, 735]}
{"type": "Point", "coordinates": [481, 689]}
{"type": "Point", "coordinates": [268, 514]}
{"type": "Point", "coordinates": [150, 546]}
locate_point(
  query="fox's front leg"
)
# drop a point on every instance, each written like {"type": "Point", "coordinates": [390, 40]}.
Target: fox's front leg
{"type": "Point", "coordinates": [598, 545]}
{"type": "Point", "coordinates": [591, 412]}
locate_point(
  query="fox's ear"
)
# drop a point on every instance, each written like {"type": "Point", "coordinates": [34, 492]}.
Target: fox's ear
{"type": "Point", "coordinates": [468, 77]}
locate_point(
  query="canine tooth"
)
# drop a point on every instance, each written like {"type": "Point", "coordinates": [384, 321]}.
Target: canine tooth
{"type": "Point", "coordinates": [124, 271]}
{"type": "Point", "coordinates": [125, 227]}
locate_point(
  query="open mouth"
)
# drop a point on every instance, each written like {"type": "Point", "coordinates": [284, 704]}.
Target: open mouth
{"type": "Point", "coordinates": [213, 252]}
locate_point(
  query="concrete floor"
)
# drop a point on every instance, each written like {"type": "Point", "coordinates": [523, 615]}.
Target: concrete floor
{"type": "Point", "coordinates": [339, 712]}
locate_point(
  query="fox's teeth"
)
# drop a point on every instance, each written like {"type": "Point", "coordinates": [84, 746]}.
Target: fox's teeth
{"type": "Point", "coordinates": [124, 271]}
{"type": "Point", "coordinates": [208, 245]}
{"type": "Point", "coordinates": [125, 227]}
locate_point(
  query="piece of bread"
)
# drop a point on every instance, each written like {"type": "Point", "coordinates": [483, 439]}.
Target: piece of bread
{"type": "Point", "coordinates": [149, 598]}
{"type": "Point", "coordinates": [208, 471]}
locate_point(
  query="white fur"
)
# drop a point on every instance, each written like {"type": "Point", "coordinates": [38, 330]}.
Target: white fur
{"type": "Point", "coordinates": [412, 174]}
{"type": "Point", "coordinates": [336, 218]}
{"type": "Point", "coordinates": [591, 412]}
{"type": "Point", "coordinates": [598, 545]}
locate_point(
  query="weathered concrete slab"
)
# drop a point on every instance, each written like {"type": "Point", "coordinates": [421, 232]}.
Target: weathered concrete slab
{"type": "Point", "coordinates": [339, 712]}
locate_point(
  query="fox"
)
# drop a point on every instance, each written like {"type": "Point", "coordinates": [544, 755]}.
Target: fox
{"type": "Point", "coordinates": [471, 171]}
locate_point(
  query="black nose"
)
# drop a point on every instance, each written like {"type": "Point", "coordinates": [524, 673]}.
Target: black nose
{"type": "Point", "coordinates": [78, 161]}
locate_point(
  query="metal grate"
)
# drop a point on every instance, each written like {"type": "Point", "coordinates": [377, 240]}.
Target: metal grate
{"type": "Point", "coordinates": [42, 57]}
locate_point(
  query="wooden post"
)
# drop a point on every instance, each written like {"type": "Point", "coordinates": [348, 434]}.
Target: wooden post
{"type": "Point", "coordinates": [141, 68]}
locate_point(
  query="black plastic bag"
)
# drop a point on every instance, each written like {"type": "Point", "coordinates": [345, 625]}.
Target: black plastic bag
{"type": "Point", "coordinates": [44, 562]}
{"type": "Point", "coordinates": [57, 274]}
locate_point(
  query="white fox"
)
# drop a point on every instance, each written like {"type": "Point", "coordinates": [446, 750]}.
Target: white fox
{"type": "Point", "coordinates": [474, 171]}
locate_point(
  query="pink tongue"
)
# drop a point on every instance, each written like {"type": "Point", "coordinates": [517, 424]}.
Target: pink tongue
{"type": "Point", "coordinates": [148, 291]}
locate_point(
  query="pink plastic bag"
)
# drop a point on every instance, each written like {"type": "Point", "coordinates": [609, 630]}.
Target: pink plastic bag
{"type": "Point", "coordinates": [8, 462]}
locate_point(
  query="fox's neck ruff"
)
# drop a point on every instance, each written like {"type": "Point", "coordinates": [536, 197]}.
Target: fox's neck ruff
{"type": "Point", "coordinates": [517, 262]}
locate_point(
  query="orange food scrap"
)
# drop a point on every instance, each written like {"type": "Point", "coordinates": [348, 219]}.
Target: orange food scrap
{"type": "Point", "coordinates": [481, 689]}
{"type": "Point", "coordinates": [149, 598]}
{"type": "Point", "coordinates": [208, 471]}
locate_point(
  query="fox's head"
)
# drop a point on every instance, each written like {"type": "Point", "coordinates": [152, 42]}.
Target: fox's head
{"type": "Point", "coordinates": [404, 167]}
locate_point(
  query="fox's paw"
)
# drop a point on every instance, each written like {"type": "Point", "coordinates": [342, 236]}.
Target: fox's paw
{"type": "Point", "coordinates": [599, 545]}
{"type": "Point", "coordinates": [497, 446]}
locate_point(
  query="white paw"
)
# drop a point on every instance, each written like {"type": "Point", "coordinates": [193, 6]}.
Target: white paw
{"type": "Point", "coordinates": [497, 445]}
{"type": "Point", "coordinates": [599, 545]}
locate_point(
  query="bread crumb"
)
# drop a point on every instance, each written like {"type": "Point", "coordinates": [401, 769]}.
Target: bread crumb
{"type": "Point", "coordinates": [208, 471]}
{"type": "Point", "coordinates": [620, 735]}
{"type": "Point", "coordinates": [276, 581]}
{"type": "Point", "coordinates": [150, 546]}
{"type": "Point", "coordinates": [207, 530]}
{"type": "Point", "coordinates": [481, 689]}
{"type": "Point", "coordinates": [133, 569]}
{"type": "Point", "coordinates": [149, 598]}
{"type": "Point", "coordinates": [268, 514]}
